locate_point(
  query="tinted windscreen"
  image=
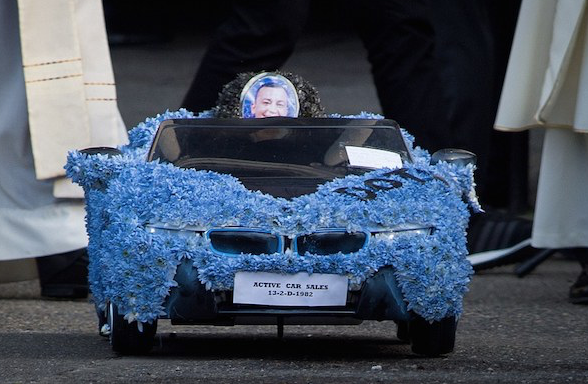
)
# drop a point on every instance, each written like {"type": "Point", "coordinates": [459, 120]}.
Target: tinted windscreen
{"type": "Point", "coordinates": [270, 149]}
{"type": "Point", "coordinates": [311, 151]}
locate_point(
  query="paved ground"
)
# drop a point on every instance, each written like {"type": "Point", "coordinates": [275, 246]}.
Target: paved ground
{"type": "Point", "coordinates": [513, 330]}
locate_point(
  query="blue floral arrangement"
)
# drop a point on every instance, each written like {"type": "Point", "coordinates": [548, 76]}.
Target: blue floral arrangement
{"type": "Point", "coordinates": [134, 267]}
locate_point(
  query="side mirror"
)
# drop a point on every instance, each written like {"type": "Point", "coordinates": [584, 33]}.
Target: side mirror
{"type": "Point", "coordinates": [109, 151]}
{"type": "Point", "coordinates": [454, 156]}
{"type": "Point", "coordinates": [101, 183]}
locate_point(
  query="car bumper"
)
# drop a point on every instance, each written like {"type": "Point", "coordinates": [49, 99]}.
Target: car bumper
{"type": "Point", "coordinates": [379, 298]}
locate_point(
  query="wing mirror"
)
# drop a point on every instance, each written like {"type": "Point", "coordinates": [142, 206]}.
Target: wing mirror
{"type": "Point", "coordinates": [108, 151]}
{"type": "Point", "coordinates": [101, 183]}
{"type": "Point", "coordinates": [454, 156]}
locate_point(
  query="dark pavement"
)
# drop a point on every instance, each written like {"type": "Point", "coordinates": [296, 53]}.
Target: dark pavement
{"type": "Point", "coordinates": [513, 331]}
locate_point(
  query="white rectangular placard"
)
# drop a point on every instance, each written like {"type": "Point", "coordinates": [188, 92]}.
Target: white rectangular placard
{"type": "Point", "coordinates": [372, 158]}
{"type": "Point", "coordinates": [301, 289]}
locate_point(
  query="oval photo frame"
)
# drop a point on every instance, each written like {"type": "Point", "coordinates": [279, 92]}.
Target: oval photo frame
{"type": "Point", "coordinates": [269, 94]}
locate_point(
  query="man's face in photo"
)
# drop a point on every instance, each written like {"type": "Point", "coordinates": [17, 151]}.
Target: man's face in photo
{"type": "Point", "coordinates": [269, 102]}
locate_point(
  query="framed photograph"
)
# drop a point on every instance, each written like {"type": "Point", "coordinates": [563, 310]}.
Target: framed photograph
{"type": "Point", "coordinates": [267, 95]}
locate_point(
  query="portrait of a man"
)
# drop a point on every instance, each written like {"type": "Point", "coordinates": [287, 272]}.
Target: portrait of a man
{"type": "Point", "coordinates": [269, 95]}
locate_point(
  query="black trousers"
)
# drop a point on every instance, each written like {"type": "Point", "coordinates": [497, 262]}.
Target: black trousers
{"type": "Point", "coordinates": [438, 68]}
{"type": "Point", "coordinates": [256, 35]}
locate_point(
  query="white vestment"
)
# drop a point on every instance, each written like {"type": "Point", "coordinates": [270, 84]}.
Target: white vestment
{"type": "Point", "coordinates": [546, 86]}
{"type": "Point", "coordinates": [69, 102]}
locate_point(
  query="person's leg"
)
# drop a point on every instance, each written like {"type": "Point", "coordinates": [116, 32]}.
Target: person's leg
{"type": "Point", "coordinates": [466, 62]}
{"type": "Point", "coordinates": [505, 180]}
{"type": "Point", "coordinates": [64, 275]}
{"type": "Point", "coordinates": [438, 68]}
{"type": "Point", "coordinates": [473, 42]}
{"type": "Point", "coordinates": [257, 35]}
{"type": "Point", "coordinates": [435, 68]}
{"type": "Point", "coordinates": [400, 40]}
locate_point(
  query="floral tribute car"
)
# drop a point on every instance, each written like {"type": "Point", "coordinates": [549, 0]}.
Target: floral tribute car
{"type": "Point", "coordinates": [308, 220]}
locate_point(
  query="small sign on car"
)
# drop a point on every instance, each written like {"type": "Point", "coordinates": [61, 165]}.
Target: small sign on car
{"type": "Point", "coordinates": [301, 289]}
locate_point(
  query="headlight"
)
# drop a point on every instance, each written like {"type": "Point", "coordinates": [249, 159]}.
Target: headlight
{"type": "Point", "coordinates": [330, 241]}
{"type": "Point", "coordinates": [226, 241]}
{"type": "Point", "coordinates": [176, 230]}
{"type": "Point", "coordinates": [236, 241]}
{"type": "Point", "coordinates": [401, 232]}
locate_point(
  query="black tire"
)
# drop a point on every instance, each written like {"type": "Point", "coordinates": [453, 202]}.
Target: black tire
{"type": "Point", "coordinates": [126, 338]}
{"type": "Point", "coordinates": [432, 339]}
{"type": "Point", "coordinates": [402, 332]}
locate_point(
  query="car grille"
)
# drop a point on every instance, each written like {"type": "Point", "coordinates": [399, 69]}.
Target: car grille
{"type": "Point", "coordinates": [235, 241]}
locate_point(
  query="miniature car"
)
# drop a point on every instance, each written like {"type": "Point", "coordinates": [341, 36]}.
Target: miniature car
{"type": "Point", "coordinates": [276, 221]}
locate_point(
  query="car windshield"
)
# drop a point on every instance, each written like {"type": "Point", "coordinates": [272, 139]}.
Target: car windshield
{"type": "Point", "coordinates": [283, 152]}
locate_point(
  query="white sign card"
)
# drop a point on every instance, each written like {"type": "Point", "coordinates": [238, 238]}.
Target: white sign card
{"type": "Point", "coordinates": [372, 158]}
{"type": "Point", "coordinates": [301, 289]}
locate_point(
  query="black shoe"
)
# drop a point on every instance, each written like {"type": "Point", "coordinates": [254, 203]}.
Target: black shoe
{"type": "Point", "coordinates": [579, 290]}
{"type": "Point", "coordinates": [496, 239]}
{"type": "Point", "coordinates": [65, 275]}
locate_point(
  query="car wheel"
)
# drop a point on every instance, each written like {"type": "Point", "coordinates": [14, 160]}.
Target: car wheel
{"type": "Point", "coordinates": [126, 338]}
{"type": "Point", "coordinates": [402, 332]}
{"type": "Point", "coordinates": [432, 339]}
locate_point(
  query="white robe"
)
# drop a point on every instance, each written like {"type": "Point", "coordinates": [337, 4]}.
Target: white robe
{"type": "Point", "coordinates": [70, 102]}
{"type": "Point", "coordinates": [546, 86]}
